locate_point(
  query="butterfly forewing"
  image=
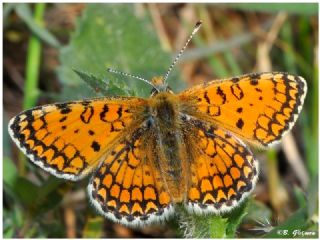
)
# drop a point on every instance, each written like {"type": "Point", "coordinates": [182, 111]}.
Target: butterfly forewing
{"type": "Point", "coordinates": [259, 108]}
{"type": "Point", "coordinates": [68, 139]}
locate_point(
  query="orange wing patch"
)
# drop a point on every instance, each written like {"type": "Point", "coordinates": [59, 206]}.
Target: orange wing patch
{"type": "Point", "coordinates": [127, 188]}
{"type": "Point", "coordinates": [68, 139]}
{"type": "Point", "coordinates": [223, 170]}
{"type": "Point", "coordinates": [259, 108]}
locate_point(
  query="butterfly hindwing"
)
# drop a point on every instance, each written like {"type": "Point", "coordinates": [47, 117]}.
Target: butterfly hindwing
{"type": "Point", "coordinates": [259, 108]}
{"type": "Point", "coordinates": [127, 188]}
{"type": "Point", "coordinates": [223, 170]}
{"type": "Point", "coordinates": [68, 139]}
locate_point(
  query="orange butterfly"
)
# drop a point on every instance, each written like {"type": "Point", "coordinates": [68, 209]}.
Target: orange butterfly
{"type": "Point", "coordinates": [147, 155]}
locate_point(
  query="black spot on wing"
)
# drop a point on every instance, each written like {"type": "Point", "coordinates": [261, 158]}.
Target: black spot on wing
{"type": "Point", "coordinates": [240, 123]}
{"type": "Point", "coordinates": [95, 146]}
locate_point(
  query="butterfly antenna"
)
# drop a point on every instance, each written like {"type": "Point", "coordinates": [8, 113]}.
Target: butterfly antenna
{"type": "Point", "coordinates": [195, 30]}
{"type": "Point", "coordinates": [130, 75]}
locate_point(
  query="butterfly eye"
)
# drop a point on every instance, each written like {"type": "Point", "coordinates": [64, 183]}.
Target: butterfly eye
{"type": "Point", "coordinates": [154, 92]}
{"type": "Point", "coordinates": [185, 117]}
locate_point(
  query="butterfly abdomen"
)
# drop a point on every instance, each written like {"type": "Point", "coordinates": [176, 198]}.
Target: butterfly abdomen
{"type": "Point", "coordinates": [165, 112]}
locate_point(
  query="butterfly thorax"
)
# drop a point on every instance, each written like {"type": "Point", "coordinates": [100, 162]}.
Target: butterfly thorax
{"type": "Point", "coordinates": [164, 109]}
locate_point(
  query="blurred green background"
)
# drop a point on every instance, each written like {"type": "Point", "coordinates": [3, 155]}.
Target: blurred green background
{"type": "Point", "coordinates": [44, 43]}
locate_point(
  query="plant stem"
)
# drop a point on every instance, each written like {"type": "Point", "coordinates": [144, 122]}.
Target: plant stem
{"type": "Point", "coordinates": [31, 91]}
{"type": "Point", "coordinates": [33, 62]}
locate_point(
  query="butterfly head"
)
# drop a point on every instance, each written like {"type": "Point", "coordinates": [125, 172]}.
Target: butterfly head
{"type": "Point", "coordinates": [159, 85]}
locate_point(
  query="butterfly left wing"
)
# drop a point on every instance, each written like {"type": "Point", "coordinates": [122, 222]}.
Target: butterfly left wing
{"type": "Point", "coordinates": [223, 170]}
{"type": "Point", "coordinates": [68, 139]}
{"type": "Point", "coordinates": [127, 187]}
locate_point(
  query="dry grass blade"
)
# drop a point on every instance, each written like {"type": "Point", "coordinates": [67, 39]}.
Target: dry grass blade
{"type": "Point", "coordinates": [278, 194]}
{"type": "Point", "coordinates": [159, 26]}
{"type": "Point", "coordinates": [263, 60]}
{"type": "Point", "coordinates": [290, 149]}
{"type": "Point", "coordinates": [70, 221]}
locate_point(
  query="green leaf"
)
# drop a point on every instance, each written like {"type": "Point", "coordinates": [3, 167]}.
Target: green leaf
{"type": "Point", "coordinates": [48, 196]}
{"type": "Point", "coordinates": [299, 196]}
{"type": "Point", "coordinates": [93, 227]}
{"type": "Point", "coordinates": [50, 185]}
{"type": "Point", "coordinates": [47, 204]}
{"type": "Point", "coordinates": [10, 173]}
{"type": "Point", "coordinates": [217, 226]}
{"type": "Point", "coordinates": [235, 217]}
{"type": "Point", "coordinates": [26, 191]}
{"type": "Point", "coordinates": [12, 221]}
{"type": "Point", "coordinates": [297, 222]}
{"type": "Point", "coordinates": [115, 36]}
{"type": "Point", "coordinates": [257, 212]}
{"type": "Point", "coordinates": [293, 8]}
{"type": "Point", "coordinates": [10, 177]}
{"type": "Point", "coordinates": [211, 225]}
{"type": "Point", "coordinates": [105, 87]}
{"type": "Point", "coordinates": [313, 197]}
{"type": "Point", "coordinates": [24, 12]}
{"type": "Point", "coordinates": [201, 226]}
{"type": "Point", "coordinates": [7, 142]}
{"type": "Point", "coordinates": [8, 232]}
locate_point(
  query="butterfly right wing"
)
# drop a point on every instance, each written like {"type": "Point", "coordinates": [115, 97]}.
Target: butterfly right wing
{"type": "Point", "coordinates": [68, 139]}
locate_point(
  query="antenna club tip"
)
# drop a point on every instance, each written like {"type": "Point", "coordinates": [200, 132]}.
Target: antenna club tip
{"type": "Point", "coordinates": [198, 23]}
{"type": "Point", "coordinates": [197, 26]}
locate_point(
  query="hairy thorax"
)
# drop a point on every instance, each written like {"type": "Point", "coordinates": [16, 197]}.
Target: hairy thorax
{"type": "Point", "coordinates": [164, 109]}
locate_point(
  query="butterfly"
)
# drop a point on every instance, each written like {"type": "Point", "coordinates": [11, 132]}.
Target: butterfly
{"type": "Point", "coordinates": [148, 155]}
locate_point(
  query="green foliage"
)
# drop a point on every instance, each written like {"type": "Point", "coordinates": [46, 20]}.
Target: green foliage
{"type": "Point", "coordinates": [211, 225]}
{"type": "Point", "coordinates": [11, 173]}
{"type": "Point", "coordinates": [6, 144]}
{"type": "Point", "coordinates": [111, 35]}
{"type": "Point", "coordinates": [27, 202]}
{"type": "Point", "coordinates": [299, 221]}
{"type": "Point", "coordinates": [201, 226]}
{"type": "Point", "coordinates": [12, 220]}
{"type": "Point", "coordinates": [93, 227]}
{"type": "Point", "coordinates": [257, 212]}
{"type": "Point", "coordinates": [105, 87]}
{"type": "Point", "coordinates": [293, 8]}
{"type": "Point", "coordinates": [304, 220]}
{"type": "Point", "coordinates": [235, 218]}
